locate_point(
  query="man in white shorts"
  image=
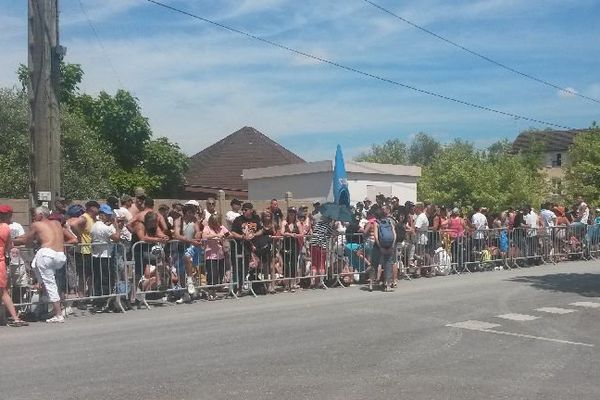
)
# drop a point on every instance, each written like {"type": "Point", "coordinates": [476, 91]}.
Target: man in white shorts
{"type": "Point", "coordinates": [49, 258]}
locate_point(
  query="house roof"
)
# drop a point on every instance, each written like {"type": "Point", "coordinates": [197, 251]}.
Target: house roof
{"type": "Point", "coordinates": [220, 166]}
{"type": "Point", "coordinates": [327, 166]}
{"type": "Point", "coordinates": [552, 140]}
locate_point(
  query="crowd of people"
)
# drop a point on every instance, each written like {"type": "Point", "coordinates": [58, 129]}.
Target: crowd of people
{"type": "Point", "coordinates": [124, 252]}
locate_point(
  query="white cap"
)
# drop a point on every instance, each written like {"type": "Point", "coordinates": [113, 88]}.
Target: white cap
{"type": "Point", "coordinates": [193, 202]}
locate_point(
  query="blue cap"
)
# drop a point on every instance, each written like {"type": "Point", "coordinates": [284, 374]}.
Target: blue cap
{"type": "Point", "coordinates": [106, 209]}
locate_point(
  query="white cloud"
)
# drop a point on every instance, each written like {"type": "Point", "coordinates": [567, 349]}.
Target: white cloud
{"type": "Point", "coordinates": [567, 92]}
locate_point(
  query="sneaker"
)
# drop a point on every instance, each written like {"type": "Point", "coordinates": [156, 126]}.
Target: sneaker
{"type": "Point", "coordinates": [56, 320]}
{"type": "Point", "coordinates": [190, 286]}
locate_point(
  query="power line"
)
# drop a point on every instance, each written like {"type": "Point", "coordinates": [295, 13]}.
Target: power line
{"type": "Point", "coordinates": [476, 54]}
{"type": "Point", "coordinates": [91, 24]}
{"type": "Point", "coordinates": [354, 70]}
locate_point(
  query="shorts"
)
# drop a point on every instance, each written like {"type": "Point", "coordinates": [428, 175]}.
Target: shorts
{"type": "Point", "coordinates": [318, 258]}
{"type": "Point", "coordinates": [45, 262]}
{"type": "Point", "coordinates": [195, 253]}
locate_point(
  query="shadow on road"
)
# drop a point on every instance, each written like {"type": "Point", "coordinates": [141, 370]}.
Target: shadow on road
{"type": "Point", "coordinates": [587, 285]}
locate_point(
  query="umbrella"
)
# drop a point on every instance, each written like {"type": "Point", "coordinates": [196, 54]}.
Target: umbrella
{"type": "Point", "coordinates": [336, 212]}
{"type": "Point", "coordinates": [341, 195]}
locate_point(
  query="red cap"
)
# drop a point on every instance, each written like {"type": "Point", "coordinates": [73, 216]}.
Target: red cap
{"type": "Point", "coordinates": [5, 209]}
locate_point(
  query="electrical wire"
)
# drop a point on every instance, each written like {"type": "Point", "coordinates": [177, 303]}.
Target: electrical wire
{"type": "Point", "coordinates": [354, 70]}
{"type": "Point", "coordinates": [476, 54]}
{"type": "Point", "coordinates": [106, 56]}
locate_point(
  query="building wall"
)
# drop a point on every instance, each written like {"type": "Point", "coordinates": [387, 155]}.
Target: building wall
{"type": "Point", "coordinates": [369, 185]}
{"type": "Point", "coordinates": [318, 186]}
{"type": "Point", "coordinates": [312, 186]}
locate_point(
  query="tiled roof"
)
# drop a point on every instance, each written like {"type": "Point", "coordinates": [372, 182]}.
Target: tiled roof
{"type": "Point", "coordinates": [552, 140]}
{"type": "Point", "coordinates": [221, 165]}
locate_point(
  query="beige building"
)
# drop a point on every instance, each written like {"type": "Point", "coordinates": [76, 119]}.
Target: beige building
{"type": "Point", "coordinates": [555, 145]}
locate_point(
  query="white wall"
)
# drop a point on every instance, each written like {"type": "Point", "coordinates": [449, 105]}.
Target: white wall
{"type": "Point", "coordinates": [311, 186]}
{"type": "Point", "coordinates": [403, 187]}
{"type": "Point", "coordinates": [318, 186]}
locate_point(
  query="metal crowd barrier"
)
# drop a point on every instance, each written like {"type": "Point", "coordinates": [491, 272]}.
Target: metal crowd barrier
{"type": "Point", "coordinates": [115, 274]}
{"type": "Point", "coordinates": [93, 274]}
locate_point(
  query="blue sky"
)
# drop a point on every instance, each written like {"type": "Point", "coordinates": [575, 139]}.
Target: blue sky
{"type": "Point", "coordinates": [197, 83]}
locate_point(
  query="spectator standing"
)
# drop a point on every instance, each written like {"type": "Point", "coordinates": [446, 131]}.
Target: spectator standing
{"type": "Point", "coordinates": [276, 213]}
{"type": "Point", "coordinates": [210, 209]}
{"type": "Point", "coordinates": [583, 211]}
{"type": "Point", "coordinates": [188, 231]}
{"type": "Point", "coordinates": [103, 233]}
{"type": "Point", "coordinates": [232, 214]}
{"type": "Point", "coordinates": [480, 224]}
{"type": "Point", "coordinates": [214, 234]}
{"type": "Point", "coordinates": [531, 225]}
{"type": "Point", "coordinates": [290, 232]}
{"type": "Point", "coordinates": [5, 246]}
{"type": "Point", "coordinates": [319, 242]}
{"type": "Point", "coordinates": [125, 209]}
{"type": "Point", "coordinates": [421, 228]}
{"type": "Point", "coordinates": [244, 229]}
{"type": "Point", "coordinates": [49, 258]}
{"type": "Point", "coordinates": [383, 249]}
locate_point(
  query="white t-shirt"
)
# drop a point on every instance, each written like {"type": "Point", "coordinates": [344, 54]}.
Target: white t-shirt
{"type": "Point", "coordinates": [531, 220]}
{"type": "Point", "coordinates": [126, 213]}
{"type": "Point", "coordinates": [421, 227]}
{"type": "Point", "coordinates": [548, 219]}
{"type": "Point", "coordinates": [101, 233]}
{"type": "Point", "coordinates": [230, 216]}
{"type": "Point", "coordinates": [480, 223]}
{"type": "Point", "coordinates": [583, 213]}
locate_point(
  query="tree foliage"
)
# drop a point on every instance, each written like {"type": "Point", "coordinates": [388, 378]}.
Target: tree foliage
{"type": "Point", "coordinates": [107, 144]}
{"type": "Point", "coordinates": [583, 170]}
{"type": "Point", "coordinates": [459, 174]}
{"type": "Point", "coordinates": [14, 136]}
{"type": "Point", "coordinates": [393, 151]}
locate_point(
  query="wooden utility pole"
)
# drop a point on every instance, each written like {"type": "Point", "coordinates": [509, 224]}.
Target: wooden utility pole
{"type": "Point", "coordinates": [44, 128]}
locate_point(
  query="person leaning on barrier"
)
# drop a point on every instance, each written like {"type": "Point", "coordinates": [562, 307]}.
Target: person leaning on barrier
{"type": "Point", "coordinates": [104, 232]}
{"type": "Point", "coordinates": [244, 230]}
{"type": "Point", "coordinates": [188, 231]}
{"type": "Point", "coordinates": [49, 258]}
{"type": "Point", "coordinates": [82, 227]}
{"type": "Point", "coordinates": [5, 246]}
{"type": "Point", "coordinates": [214, 234]}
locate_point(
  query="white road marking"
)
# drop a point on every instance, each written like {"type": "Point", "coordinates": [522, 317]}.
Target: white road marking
{"type": "Point", "coordinates": [517, 317]}
{"type": "Point", "coordinates": [587, 304]}
{"type": "Point", "coordinates": [555, 310]}
{"type": "Point", "coordinates": [472, 325]}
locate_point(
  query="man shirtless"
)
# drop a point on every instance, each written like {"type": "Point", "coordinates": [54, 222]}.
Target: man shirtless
{"type": "Point", "coordinates": [49, 258]}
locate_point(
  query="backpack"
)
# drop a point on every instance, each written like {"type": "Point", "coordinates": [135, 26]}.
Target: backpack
{"type": "Point", "coordinates": [385, 232]}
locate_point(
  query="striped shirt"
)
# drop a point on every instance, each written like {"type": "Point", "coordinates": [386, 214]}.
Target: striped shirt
{"type": "Point", "coordinates": [322, 232]}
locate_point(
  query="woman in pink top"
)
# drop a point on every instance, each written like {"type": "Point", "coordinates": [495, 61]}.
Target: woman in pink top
{"type": "Point", "coordinates": [5, 245]}
{"type": "Point", "coordinates": [214, 234]}
{"type": "Point", "coordinates": [456, 229]}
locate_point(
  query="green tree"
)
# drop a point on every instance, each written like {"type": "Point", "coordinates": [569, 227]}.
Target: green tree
{"type": "Point", "coordinates": [583, 171]}
{"type": "Point", "coordinates": [423, 149]}
{"type": "Point", "coordinates": [119, 120]}
{"type": "Point", "coordinates": [86, 165]}
{"type": "Point", "coordinates": [70, 78]}
{"type": "Point", "coordinates": [14, 136]}
{"type": "Point", "coordinates": [393, 151]}
{"type": "Point", "coordinates": [461, 175]}
{"type": "Point", "coordinates": [166, 160]}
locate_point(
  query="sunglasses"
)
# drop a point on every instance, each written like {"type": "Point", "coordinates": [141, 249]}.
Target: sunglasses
{"type": "Point", "coordinates": [211, 204]}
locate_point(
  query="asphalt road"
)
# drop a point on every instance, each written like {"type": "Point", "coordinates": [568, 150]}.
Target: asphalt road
{"type": "Point", "coordinates": [342, 343]}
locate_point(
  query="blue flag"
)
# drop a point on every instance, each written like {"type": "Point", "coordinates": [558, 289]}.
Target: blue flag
{"type": "Point", "coordinates": [341, 195]}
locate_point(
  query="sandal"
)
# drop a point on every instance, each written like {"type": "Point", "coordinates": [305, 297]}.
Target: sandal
{"type": "Point", "coordinates": [18, 323]}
